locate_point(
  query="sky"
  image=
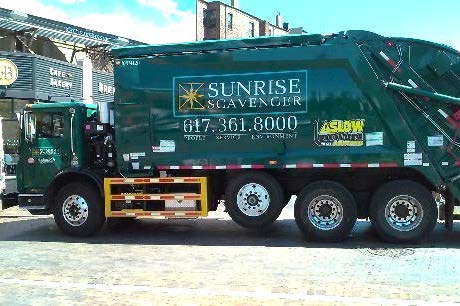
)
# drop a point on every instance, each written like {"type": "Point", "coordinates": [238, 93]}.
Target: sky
{"type": "Point", "coordinates": [167, 21]}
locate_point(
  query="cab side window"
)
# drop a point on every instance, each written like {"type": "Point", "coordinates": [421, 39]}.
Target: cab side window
{"type": "Point", "coordinates": [30, 132]}
{"type": "Point", "coordinates": [49, 125]}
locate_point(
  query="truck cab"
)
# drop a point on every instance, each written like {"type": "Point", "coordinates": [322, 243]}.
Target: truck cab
{"type": "Point", "coordinates": [51, 144]}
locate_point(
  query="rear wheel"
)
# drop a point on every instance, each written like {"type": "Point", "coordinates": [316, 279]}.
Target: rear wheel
{"type": "Point", "coordinates": [254, 199]}
{"type": "Point", "coordinates": [78, 210]}
{"type": "Point", "coordinates": [403, 211]}
{"type": "Point", "coordinates": [325, 211]}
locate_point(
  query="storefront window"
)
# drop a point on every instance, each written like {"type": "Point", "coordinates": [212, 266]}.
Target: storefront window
{"type": "Point", "coordinates": [9, 108]}
{"type": "Point", "coordinates": [9, 113]}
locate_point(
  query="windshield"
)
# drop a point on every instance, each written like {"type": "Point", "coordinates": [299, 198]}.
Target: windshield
{"type": "Point", "coordinates": [43, 125]}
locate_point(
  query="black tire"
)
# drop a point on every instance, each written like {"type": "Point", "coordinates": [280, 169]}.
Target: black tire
{"type": "Point", "coordinates": [325, 197]}
{"type": "Point", "coordinates": [82, 227]}
{"type": "Point", "coordinates": [258, 207]}
{"type": "Point", "coordinates": [403, 211]}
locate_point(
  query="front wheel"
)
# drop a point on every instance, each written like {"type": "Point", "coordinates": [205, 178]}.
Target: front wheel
{"type": "Point", "coordinates": [254, 199]}
{"type": "Point", "coordinates": [78, 210]}
{"type": "Point", "coordinates": [403, 211]}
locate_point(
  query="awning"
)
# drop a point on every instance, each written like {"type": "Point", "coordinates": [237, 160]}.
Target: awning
{"type": "Point", "coordinates": [17, 22]}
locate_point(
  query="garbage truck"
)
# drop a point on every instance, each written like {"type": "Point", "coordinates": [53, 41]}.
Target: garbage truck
{"type": "Point", "coordinates": [356, 125]}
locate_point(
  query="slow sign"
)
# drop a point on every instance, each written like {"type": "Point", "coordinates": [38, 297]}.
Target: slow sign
{"type": "Point", "coordinates": [8, 72]}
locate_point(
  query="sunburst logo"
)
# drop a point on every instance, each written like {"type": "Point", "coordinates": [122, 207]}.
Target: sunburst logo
{"type": "Point", "coordinates": [191, 96]}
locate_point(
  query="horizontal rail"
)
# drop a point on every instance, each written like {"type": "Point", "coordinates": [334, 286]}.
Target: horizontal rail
{"type": "Point", "coordinates": [155, 197]}
{"type": "Point", "coordinates": [159, 214]}
{"type": "Point", "coordinates": [161, 180]}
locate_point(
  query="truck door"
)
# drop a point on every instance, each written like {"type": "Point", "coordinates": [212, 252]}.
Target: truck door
{"type": "Point", "coordinates": [46, 149]}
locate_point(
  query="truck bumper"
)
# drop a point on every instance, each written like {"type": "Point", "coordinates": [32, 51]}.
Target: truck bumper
{"type": "Point", "coordinates": [8, 200]}
{"type": "Point", "coordinates": [34, 203]}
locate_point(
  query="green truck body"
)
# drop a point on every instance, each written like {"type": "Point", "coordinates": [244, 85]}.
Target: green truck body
{"type": "Point", "coordinates": [352, 112]}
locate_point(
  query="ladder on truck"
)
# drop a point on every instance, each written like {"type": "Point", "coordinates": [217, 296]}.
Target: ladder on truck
{"type": "Point", "coordinates": [133, 197]}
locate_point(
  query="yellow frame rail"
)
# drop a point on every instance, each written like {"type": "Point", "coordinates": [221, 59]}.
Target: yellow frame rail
{"type": "Point", "coordinates": [109, 197]}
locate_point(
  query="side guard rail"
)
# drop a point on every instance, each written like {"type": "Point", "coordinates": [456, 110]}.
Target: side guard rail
{"type": "Point", "coordinates": [423, 93]}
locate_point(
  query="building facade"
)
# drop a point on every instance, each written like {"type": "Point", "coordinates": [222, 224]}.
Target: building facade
{"type": "Point", "coordinates": [43, 60]}
{"type": "Point", "coordinates": [217, 20]}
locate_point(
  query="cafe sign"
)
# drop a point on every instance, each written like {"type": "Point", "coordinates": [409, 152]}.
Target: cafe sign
{"type": "Point", "coordinates": [8, 72]}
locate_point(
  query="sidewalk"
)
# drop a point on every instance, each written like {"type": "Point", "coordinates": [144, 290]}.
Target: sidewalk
{"type": "Point", "coordinates": [14, 212]}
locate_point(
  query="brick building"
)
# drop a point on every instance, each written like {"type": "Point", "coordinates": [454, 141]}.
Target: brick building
{"type": "Point", "coordinates": [217, 20]}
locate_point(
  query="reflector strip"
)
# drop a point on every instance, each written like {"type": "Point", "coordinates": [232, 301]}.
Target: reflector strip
{"type": "Point", "coordinates": [164, 214]}
{"type": "Point", "coordinates": [388, 165]}
{"type": "Point", "coordinates": [334, 166]}
{"type": "Point", "coordinates": [233, 167]}
{"type": "Point", "coordinates": [190, 180]}
{"type": "Point", "coordinates": [299, 166]}
{"type": "Point", "coordinates": [330, 166]}
{"type": "Point", "coordinates": [211, 167]}
{"type": "Point", "coordinates": [390, 61]}
{"type": "Point", "coordinates": [156, 197]}
{"type": "Point", "coordinates": [118, 197]}
{"type": "Point", "coordinates": [412, 83]}
{"type": "Point", "coordinates": [385, 57]}
{"type": "Point", "coordinates": [166, 180]}
{"type": "Point", "coordinates": [117, 180]}
{"type": "Point", "coordinates": [443, 113]}
{"type": "Point", "coordinates": [153, 180]}
{"type": "Point", "coordinates": [359, 165]}
{"type": "Point", "coordinates": [141, 180]}
{"type": "Point", "coordinates": [293, 166]}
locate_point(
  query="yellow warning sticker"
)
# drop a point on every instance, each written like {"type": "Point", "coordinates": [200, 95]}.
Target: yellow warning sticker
{"type": "Point", "coordinates": [340, 133]}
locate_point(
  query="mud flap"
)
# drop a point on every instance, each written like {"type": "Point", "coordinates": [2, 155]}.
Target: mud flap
{"type": "Point", "coordinates": [8, 200]}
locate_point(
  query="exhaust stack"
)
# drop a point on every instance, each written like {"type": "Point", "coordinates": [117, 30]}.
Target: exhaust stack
{"type": "Point", "coordinates": [105, 111]}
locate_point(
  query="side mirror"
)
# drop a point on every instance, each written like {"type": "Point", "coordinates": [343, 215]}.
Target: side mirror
{"type": "Point", "coordinates": [31, 138]}
{"type": "Point", "coordinates": [29, 124]}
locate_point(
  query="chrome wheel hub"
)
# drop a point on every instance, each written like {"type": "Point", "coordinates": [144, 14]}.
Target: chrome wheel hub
{"type": "Point", "coordinates": [403, 213]}
{"type": "Point", "coordinates": [75, 210]}
{"type": "Point", "coordinates": [253, 199]}
{"type": "Point", "coordinates": [325, 212]}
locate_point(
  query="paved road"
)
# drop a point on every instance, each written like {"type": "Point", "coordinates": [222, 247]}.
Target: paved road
{"type": "Point", "coordinates": [215, 261]}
